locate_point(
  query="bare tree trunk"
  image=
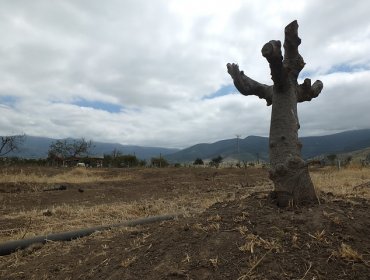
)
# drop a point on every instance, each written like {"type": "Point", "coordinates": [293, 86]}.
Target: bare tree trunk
{"type": "Point", "coordinates": [289, 172]}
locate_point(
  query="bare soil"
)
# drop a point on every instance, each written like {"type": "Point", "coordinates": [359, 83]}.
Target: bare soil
{"type": "Point", "coordinates": [241, 236]}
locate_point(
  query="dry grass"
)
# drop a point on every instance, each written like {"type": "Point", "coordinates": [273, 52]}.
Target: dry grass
{"type": "Point", "coordinates": [127, 262]}
{"type": "Point", "coordinates": [319, 236]}
{"type": "Point", "coordinates": [71, 217]}
{"type": "Point", "coordinates": [342, 182]}
{"type": "Point", "coordinates": [252, 241]}
{"type": "Point", "coordinates": [215, 262]}
{"type": "Point", "coordinates": [66, 217]}
{"type": "Point", "coordinates": [212, 227]}
{"type": "Point", "coordinates": [255, 248]}
{"type": "Point", "coordinates": [76, 175]}
{"type": "Point", "coordinates": [332, 217]}
{"type": "Point", "coordinates": [347, 253]}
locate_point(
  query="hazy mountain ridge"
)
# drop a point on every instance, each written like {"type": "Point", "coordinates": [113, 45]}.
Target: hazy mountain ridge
{"type": "Point", "coordinates": [37, 147]}
{"type": "Point", "coordinates": [253, 147]}
{"type": "Point", "coordinates": [250, 148]}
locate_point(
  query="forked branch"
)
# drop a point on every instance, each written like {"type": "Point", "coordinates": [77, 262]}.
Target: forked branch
{"type": "Point", "coordinates": [248, 86]}
{"type": "Point", "coordinates": [305, 92]}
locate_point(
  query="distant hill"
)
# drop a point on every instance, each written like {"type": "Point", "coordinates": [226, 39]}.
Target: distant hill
{"type": "Point", "coordinates": [343, 142]}
{"type": "Point", "coordinates": [37, 147]}
{"type": "Point", "coordinates": [356, 156]}
{"type": "Point", "coordinates": [253, 147]}
{"type": "Point", "coordinates": [248, 147]}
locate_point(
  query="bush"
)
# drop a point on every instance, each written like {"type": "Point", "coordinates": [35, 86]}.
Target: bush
{"type": "Point", "coordinates": [198, 161]}
{"type": "Point", "coordinates": [216, 161]}
{"type": "Point", "coordinates": [122, 161]}
{"type": "Point", "coordinates": [159, 162]}
{"type": "Point", "coordinates": [332, 158]}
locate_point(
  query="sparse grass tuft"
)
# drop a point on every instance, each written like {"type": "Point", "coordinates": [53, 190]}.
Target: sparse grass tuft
{"type": "Point", "coordinates": [319, 236]}
{"type": "Point", "coordinates": [187, 258]}
{"type": "Point", "coordinates": [347, 253]}
{"type": "Point", "coordinates": [342, 182]}
{"type": "Point", "coordinates": [241, 218]}
{"type": "Point", "coordinates": [332, 217]}
{"type": "Point", "coordinates": [211, 227]}
{"type": "Point", "coordinates": [214, 262]}
{"type": "Point", "coordinates": [127, 262]}
{"type": "Point", "coordinates": [215, 218]}
{"type": "Point", "coordinates": [252, 241]}
{"type": "Point", "coordinates": [70, 175]}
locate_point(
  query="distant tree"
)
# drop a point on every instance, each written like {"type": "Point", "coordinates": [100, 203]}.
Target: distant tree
{"type": "Point", "coordinates": [70, 148]}
{"type": "Point", "coordinates": [216, 161]}
{"type": "Point", "coordinates": [367, 158]}
{"type": "Point", "coordinates": [10, 144]}
{"type": "Point", "coordinates": [81, 147]}
{"type": "Point", "coordinates": [258, 158]}
{"type": "Point", "coordinates": [117, 159]}
{"type": "Point", "coordinates": [347, 160]}
{"type": "Point", "coordinates": [159, 162]}
{"type": "Point", "coordinates": [128, 161]}
{"type": "Point", "coordinates": [332, 158]}
{"type": "Point", "coordinates": [116, 153]}
{"type": "Point", "coordinates": [198, 161]}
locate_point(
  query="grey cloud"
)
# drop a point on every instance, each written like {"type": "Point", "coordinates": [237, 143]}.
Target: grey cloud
{"type": "Point", "coordinates": [159, 63]}
{"type": "Point", "coordinates": [335, 33]}
{"type": "Point", "coordinates": [341, 106]}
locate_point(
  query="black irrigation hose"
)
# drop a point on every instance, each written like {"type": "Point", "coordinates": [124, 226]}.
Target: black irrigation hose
{"type": "Point", "coordinates": [14, 245]}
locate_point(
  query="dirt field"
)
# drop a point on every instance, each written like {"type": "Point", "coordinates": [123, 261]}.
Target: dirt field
{"type": "Point", "coordinates": [229, 230]}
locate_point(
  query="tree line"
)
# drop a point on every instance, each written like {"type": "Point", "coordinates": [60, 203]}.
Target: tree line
{"type": "Point", "coordinates": [64, 151]}
{"type": "Point", "coordinates": [69, 152]}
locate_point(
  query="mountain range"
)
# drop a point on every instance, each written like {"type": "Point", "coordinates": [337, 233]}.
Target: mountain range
{"type": "Point", "coordinates": [37, 147]}
{"type": "Point", "coordinates": [250, 148]}
{"type": "Point", "coordinates": [254, 148]}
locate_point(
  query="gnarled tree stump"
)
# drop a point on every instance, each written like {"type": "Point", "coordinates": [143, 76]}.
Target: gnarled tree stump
{"type": "Point", "coordinates": [288, 171]}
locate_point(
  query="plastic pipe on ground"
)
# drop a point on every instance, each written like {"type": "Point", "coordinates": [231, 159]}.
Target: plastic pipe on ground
{"type": "Point", "coordinates": [9, 247]}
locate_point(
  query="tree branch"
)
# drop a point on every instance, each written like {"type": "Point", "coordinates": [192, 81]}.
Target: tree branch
{"type": "Point", "coordinates": [305, 92]}
{"type": "Point", "coordinates": [10, 143]}
{"type": "Point", "coordinates": [248, 86]}
{"type": "Point", "coordinates": [293, 61]}
{"type": "Point", "coordinates": [272, 52]}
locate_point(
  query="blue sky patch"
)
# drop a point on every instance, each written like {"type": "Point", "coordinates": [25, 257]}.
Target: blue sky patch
{"type": "Point", "coordinates": [224, 90]}
{"type": "Point", "coordinates": [305, 74]}
{"type": "Point", "coordinates": [347, 68]}
{"type": "Point", "coordinates": [8, 100]}
{"type": "Point", "coordinates": [109, 107]}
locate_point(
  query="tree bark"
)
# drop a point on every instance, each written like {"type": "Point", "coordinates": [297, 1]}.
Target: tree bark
{"type": "Point", "coordinates": [289, 172]}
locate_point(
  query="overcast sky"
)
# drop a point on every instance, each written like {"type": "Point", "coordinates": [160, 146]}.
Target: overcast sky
{"type": "Point", "coordinates": [153, 72]}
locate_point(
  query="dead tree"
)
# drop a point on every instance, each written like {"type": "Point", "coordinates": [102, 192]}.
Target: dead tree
{"type": "Point", "coordinates": [10, 144]}
{"type": "Point", "coordinates": [289, 172]}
